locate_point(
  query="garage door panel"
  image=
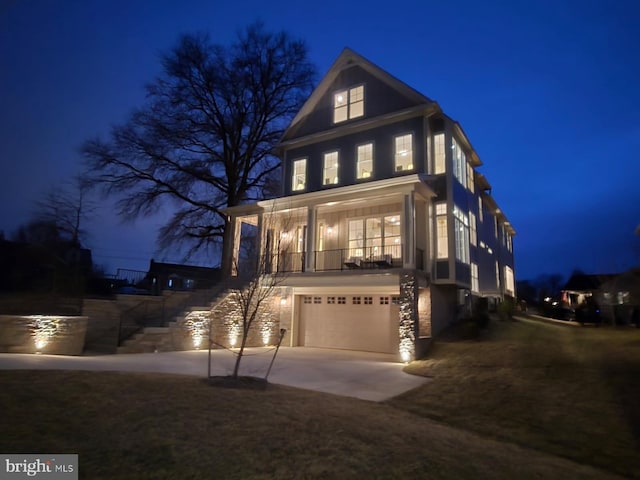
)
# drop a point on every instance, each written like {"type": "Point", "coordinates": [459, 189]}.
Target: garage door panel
{"type": "Point", "coordinates": [367, 327]}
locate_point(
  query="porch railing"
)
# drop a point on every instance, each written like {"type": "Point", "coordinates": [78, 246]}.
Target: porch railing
{"type": "Point", "coordinates": [343, 259]}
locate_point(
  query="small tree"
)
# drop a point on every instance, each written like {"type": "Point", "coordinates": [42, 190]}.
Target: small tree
{"type": "Point", "coordinates": [260, 282]}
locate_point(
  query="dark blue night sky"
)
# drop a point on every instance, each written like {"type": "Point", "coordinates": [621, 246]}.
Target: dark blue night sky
{"type": "Point", "coordinates": [547, 91]}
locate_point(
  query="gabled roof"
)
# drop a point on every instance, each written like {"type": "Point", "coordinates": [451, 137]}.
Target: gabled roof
{"type": "Point", "coordinates": [580, 282]}
{"type": "Point", "coordinates": [347, 59]}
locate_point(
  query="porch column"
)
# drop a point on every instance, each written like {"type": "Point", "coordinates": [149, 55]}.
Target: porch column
{"type": "Point", "coordinates": [409, 231]}
{"type": "Point", "coordinates": [261, 260]}
{"type": "Point", "coordinates": [312, 217]}
{"type": "Point", "coordinates": [235, 249]}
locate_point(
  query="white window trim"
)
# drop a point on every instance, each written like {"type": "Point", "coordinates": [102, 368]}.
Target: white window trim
{"type": "Point", "coordinates": [358, 169]}
{"type": "Point", "coordinates": [296, 184]}
{"type": "Point", "coordinates": [330, 180]}
{"type": "Point", "coordinates": [349, 103]}
{"type": "Point", "coordinates": [411, 165]}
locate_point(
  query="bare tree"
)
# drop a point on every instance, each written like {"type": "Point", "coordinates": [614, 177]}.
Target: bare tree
{"type": "Point", "coordinates": [67, 207]}
{"type": "Point", "coordinates": [204, 139]}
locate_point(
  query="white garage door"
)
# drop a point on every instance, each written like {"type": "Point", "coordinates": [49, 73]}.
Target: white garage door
{"type": "Point", "coordinates": [353, 322]}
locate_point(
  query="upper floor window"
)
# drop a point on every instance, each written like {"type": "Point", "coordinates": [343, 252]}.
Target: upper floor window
{"type": "Point", "coordinates": [439, 154]}
{"type": "Point", "coordinates": [348, 104]}
{"type": "Point", "coordinates": [459, 163]}
{"type": "Point", "coordinates": [330, 170]}
{"type": "Point", "coordinates": [509, 243]}
{"type": "Point", "coordinates": [474, 229]}
{"type": "Point", "coordinates": [461, 224]}
{"type": "Point", "coordinates": [480, 214]}
{"type": "Point", "coordinates": [470, 182]}
{"type": "Point", "coordinates": [404, 152]}
{"type": "Point", "coordinates": [364, 166]}
{"type": "Point", "coordinates": [442, 246]}
{"type": "Point", "coordinates": [299, 176]}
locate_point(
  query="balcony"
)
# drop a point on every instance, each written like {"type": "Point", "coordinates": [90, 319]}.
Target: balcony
{"type": "Point", "coordinates": [361, 258]}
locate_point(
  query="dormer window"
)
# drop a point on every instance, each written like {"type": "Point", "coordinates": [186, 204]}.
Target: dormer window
{"type": "Point", "coordinates": [348, 104]}
{"type": "Point", "coordinates": [299, 175]}
{"type": "Point", "coordinates": [404, 153]}
{"type": "Point", "coordinates": [330, 170]}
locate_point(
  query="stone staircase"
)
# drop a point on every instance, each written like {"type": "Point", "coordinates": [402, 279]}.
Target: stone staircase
{"type": "Point", "coordinates": [170, 337]}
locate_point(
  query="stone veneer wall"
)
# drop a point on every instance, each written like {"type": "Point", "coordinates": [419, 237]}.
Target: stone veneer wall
{"type": "Point", "coordinates": [226, 325]}
{"type": "Point", "coordinates": [50, 334]}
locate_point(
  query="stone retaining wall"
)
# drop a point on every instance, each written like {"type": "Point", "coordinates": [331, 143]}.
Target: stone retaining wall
{"type": "Point", "coordinates": [50, 334]}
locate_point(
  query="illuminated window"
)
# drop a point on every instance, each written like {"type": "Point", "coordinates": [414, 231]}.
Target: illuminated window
{"type": "Point", "coordinates": [404, 152]}
{"type": "Point", "coordinates": [441, 230]}
{"type": "Point", "coordinates": [299, 177]}
{"type": "Point", "coordinates": [348, 104]}
{"type": "Point", "coordinates": [480, 214]}
{"type": "Point", "coordinates": [495, 225]}
{"type": "Point", "coordinates": [330, 169]}
{"type": "Point", "coordinates": [497, 276]}
{"type": "Point", "coordinates": [509, 285]}
{"type": "Point", "coordinates": [459, 163]}
{"type": "Point", "coordinates": [475, 282]}
{"type": "Point", "coordinates": [509, 243]}
{"type": "Point", "coordinates": [375, 237]}
{"type": "Point", "coordinates": [461, 223]}
{"type": "Point", "coordinates": [364, 167]}
{"type": "Point", "coordinates": [470, 181]}
{"type": "Point", "coordinates": [474, 230]}
{"type": "Point", "coordinates": [439, 154]}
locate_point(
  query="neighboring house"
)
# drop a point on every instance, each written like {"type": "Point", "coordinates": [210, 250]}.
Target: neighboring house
{"type": "Point", "coordinates": [385, 228]}
{"type": "Point", "coordinates": [172, 276]}
{"type": "Point", "coordinates": [617, 295]}
{"type": "Point", "coordinates": [582, 286]}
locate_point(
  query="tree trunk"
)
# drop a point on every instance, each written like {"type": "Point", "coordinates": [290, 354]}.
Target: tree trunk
{"type": "Point", "coordinates": [236, 368]}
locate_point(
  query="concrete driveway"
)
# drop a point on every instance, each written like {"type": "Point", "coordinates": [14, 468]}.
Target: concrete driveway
{"type": "Point", "coordinates": [368, 376]}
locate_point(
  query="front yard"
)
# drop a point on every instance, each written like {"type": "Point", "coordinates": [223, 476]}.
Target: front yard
{"type": "Point", "coordinates": [508, 406]}
{"type": "Point", "coordinates": [572, 392]}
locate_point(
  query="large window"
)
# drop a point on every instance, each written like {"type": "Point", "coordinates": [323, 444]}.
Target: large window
{"type": "Point", "coordinates": [497, 276]}
{"type": "Point", "coordinates": [442, 248]}
{"type": "Point", "coordinates": [299, 177]}
{"type": "Point", "coordinates": [404, 152]}
{"type": "Point", "coordinates": [509, 285]}
{"type": "Point", "coordinates": [330, 169]}
{"type": "Point", "coordinates": [439, 154]}
{"type": "Point", "coordinates": [459, 163]}
{"type": "Point", "coordinates": [374, 236]}
{"type": "Point", "coordinates": [470, 182]}
{"type": "Point", "coordinates": [348, 104]}
{"type": "Point", "coordinates": [461, 235]}
{"type": "Point", "coordinates": [364, 166]}
{"type": "Point", "coordinates": [474, 229]}
{"type": "Point", "coordinates": [480, 213]}
{"type": "Point", "coordinates": [475, 280]}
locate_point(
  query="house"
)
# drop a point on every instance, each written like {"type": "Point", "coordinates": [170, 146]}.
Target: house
{"type": "Point", "coordinates": [178, 277]}
{"type": "Point", "coordinates": [616, 295]}
{"type": "Point", "coordinates": [582, 286]}
{"type": "Point", "coordinates": [385, 228]}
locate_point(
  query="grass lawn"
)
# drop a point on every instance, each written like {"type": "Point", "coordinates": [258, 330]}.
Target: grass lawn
{"type": "Point", "coordinates": [572, 392]}
{"type": "Point", "coordinates": [509, 406]}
